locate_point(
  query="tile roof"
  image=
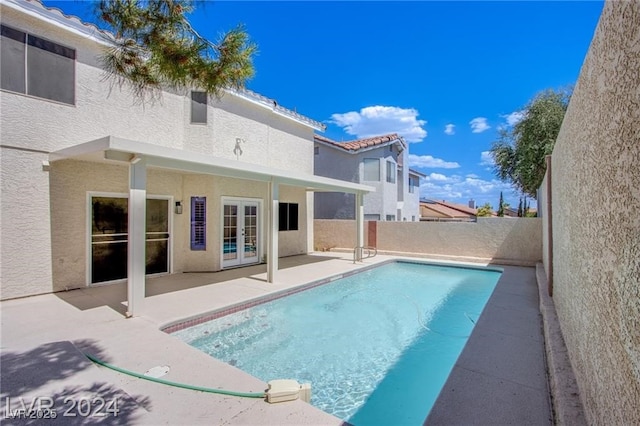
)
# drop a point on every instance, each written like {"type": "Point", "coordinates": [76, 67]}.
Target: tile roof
{"type": "Point", "coordinates": [76, 25]}
{"type": "Point", "coordinates": [358, 144]}
{"type": "Point", "coordinates": [450, 210]}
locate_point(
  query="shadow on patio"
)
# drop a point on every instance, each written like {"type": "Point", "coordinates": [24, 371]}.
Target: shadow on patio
{"type": "Point", "coordinates": [115, 295]}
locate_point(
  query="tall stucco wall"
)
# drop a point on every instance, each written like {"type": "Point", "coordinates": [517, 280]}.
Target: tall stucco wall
{"type": "Point", "coordinates": [543, 199]}
{"type": "Point", "coordinates": [498, 239]}
{"type": "Point", "coordinates": [596, 220]}
{"type": "Point", "coordinates": [25, 250]}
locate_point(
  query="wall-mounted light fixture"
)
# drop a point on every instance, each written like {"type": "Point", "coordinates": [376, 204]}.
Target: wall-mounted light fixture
{"type": "Point", "coordinates": [178, 209]}
{"type": "Point", "coordinates": [238, 149]}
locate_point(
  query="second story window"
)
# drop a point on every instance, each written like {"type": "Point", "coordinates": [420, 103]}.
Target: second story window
{"type": "Point", "coordinates": [371, 169]}
{"type": "Point", "coordinates": [37, 67]}
{"type": "Point", "coordinates": [199, 107]}
{"type": "Point", "coordinates": [413, 183]}
{"type": "Point", "coordinates": [391, 172]}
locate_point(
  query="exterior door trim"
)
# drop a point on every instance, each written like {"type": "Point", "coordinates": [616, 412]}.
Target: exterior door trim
{"type": "Point", "coordinates": [88, 228]}
{"type": "Point", "coordinates": [260, 233]}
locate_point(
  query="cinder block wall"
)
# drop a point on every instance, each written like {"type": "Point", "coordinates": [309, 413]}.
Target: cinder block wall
{"type": "Point", "coordinates": [506, 240]}
{"type": "Point", "coordinates": [596, 221]}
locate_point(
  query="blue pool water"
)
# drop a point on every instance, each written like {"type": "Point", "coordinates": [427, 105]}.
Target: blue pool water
{"type": "Point", "coordinates": [377, 346]}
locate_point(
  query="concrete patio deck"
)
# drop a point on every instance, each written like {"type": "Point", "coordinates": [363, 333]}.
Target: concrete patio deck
{"type": "Point", "coordinates": [500, 377]}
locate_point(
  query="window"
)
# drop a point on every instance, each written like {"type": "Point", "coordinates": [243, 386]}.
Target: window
{"type": "Point", "coordinates": [391, 172]}
{"type": "Point", "coordinates": [288, 213]}
{"type": "Point", "coordinates": [198, 223]}
{"type": "Point", "coordinates": [413, 183]}
{"type": "Point", "coordinates": [371, 170]}
{"type": "Point", "coordinates": [199, 107]}
{"type": "Point", "coordinates": [371, 217]}
{"type": "Point", "coordinates": [316, 150]}
{"type": "Point", "coordinates": [36, 66]}
{"type": "Point", "coordinates": [391, 217]}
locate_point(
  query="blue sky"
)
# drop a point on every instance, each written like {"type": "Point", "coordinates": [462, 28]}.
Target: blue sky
{"type": "Point", "coordinates": [445, 75]}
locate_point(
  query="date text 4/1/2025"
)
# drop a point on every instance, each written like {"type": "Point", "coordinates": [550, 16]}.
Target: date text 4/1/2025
{"type": "Point", "coordinates": [44, 407]}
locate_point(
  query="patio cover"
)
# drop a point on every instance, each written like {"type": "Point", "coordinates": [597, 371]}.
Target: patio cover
{"type": "Point", "coordinates": [140, 155]}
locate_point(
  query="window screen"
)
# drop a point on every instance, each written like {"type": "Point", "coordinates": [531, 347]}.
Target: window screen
{"type": "Point", "coordinates": [199, 107]}
{"type": "Point", "coordinates": [37, 67]}
{"type": "Point", "coordinates": [12, 65]}
{"type": "Point", "coordinates": [371, 169]}
{"type": "Point", "coordinates": [391, 172]}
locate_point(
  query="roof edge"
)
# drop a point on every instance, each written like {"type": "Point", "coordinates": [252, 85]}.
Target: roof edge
{"type": "Point", "coordinates": [73, 24]}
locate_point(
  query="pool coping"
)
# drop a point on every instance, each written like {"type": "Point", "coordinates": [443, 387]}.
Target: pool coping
{"type": "Point", "coordinates": [190, 321]}
{"type": "Point", "coordinates": [92, 317]}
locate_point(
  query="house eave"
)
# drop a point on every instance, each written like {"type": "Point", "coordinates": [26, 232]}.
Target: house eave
{"type": "Point", "coordinates": [123, 151]}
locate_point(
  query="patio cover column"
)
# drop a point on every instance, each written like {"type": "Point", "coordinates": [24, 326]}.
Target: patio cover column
{"type": "Point", "coordinates": [274, 224]}
{"type": "Point", "coordinates": [359, 224]}
{"type": "Point", "coordinates": [136, 263]}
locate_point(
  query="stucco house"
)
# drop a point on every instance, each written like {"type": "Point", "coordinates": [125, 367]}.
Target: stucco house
{"type": "Point", "coordinates": [380, 162]}
{"type": "Point", "coordinates": [97, 187]}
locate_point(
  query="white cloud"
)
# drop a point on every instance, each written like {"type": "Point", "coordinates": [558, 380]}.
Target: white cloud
{"type": "Point", "coordinates": [437, 177]}
{"type": "Point", "coordinates": [427, 161]}
{"type": "Point", "coordinates": [486, 159]}
{"type": "Point", "coordinates": [479, 125]}
{"type": "Point", "coordinates": [513, 118]}
{"type": "Point", "coordinates": [450, 129]}
{"type": "Point", "coordinates": [379, 120]}
{"type": "Point", "coordinates": [459, 189]}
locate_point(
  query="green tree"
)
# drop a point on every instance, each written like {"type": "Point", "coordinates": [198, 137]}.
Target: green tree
{"type": "Point", "coordinates": [519, 153]}
{"type": "Point", "coordinates": [157, 47]}
{"type": "Point", "coordinates": [501, 206]}
{"type": "Point", "coordinates": [484, 210]}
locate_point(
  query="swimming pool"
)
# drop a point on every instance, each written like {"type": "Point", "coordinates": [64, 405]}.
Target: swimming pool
{"type": "Point", "coordinates": [377, 346]}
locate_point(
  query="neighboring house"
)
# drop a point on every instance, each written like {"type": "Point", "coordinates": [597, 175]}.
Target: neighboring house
{"type": "Point", "coordinates": [381, 162]}
{"type": "Point", "coordinates": [432, 210]}
{"type": "Point", "coordinates": [97, 187]}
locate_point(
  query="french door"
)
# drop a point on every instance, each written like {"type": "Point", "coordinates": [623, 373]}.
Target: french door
{"type": "Point", "coordinates": [110, 237]}
{"type": "Point", "coordinates": [240, 232]}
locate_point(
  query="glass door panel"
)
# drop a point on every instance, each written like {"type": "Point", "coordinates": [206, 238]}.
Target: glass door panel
{"type": "Point", "coordinates": [110, 237]}
{"type": "Point", "coordinates": [230, 233]}
{"type": "Point", "coordinates": [157, 235]}
{"type": "Point", "coordinates": [250, 233]}
{"type": "Point", "coordinates": [240, 233]}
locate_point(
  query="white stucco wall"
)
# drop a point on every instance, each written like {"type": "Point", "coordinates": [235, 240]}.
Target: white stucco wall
{"type": "Point", "coordinates": [53, 234]}
{"type": "Point", "coordinates": [102, 109]}
{"type": "Point", "coordinates": [25, 249]}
